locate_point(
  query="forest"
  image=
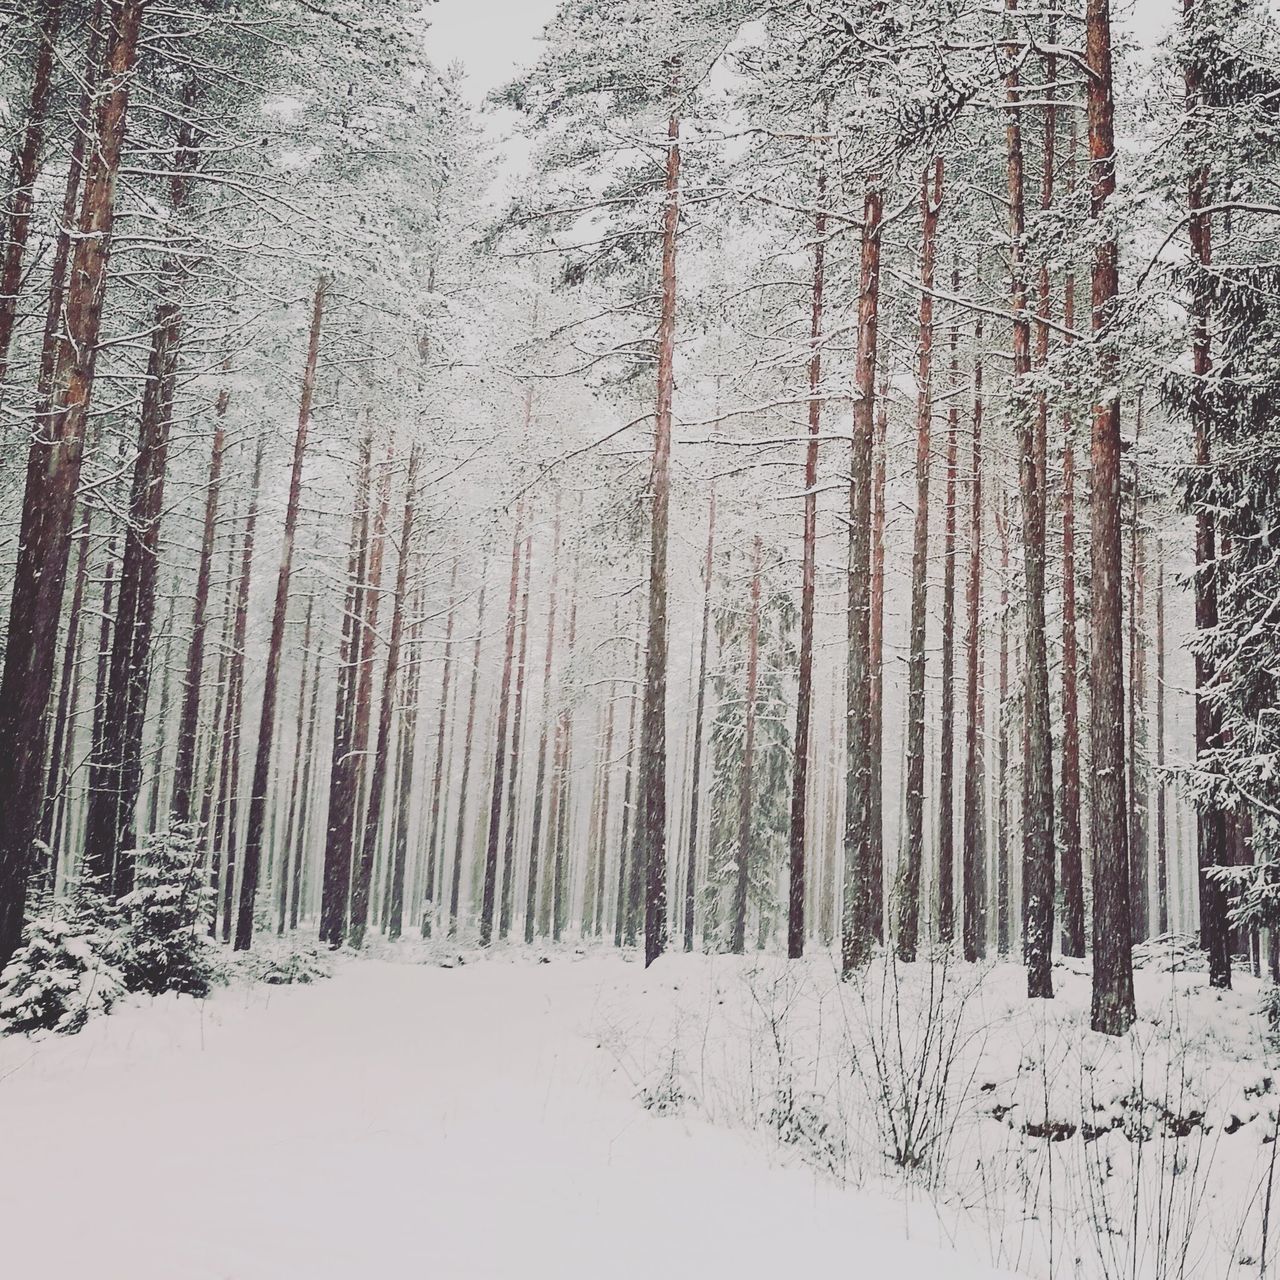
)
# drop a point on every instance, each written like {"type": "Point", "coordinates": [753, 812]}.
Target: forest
{"type": "Point", "coordinates": [794, 480]}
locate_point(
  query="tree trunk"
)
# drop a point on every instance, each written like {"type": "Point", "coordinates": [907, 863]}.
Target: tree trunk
{"type": "Point", "coordinates": [743, 882]}
{"type": "Point", "coordinates": [282, 888]}
{"type": "Point", "coordinates": [1073, 935]}
{"type": "Point", "coordinates": [628, 820]}
{"type": "Point", "coordinates": [507, 909]}
{"type": "Point", "coordinates": [386, 714]}
{"type": "Point", "coordinates": [22, 178]}
{"type": "Point", "coordinates": [1137, 785]}
{"type": "Point", "coordinates": [653, 732]}
{"type": "Point", "coordinates": [455, 885]}
{"type": "Point", "coordinates": [804, 701]}
{"type": "Point", "coordinates": [947, 727]}
{"type": "Point", "coordinates": [1113, 1005]}
{"type": "Point", "coordinates": [973, 861]}
{"type": "Point", "coordinates": [879, 478]}
{"type": "Point", "coordinates": [488, 900]}
{"type": "Point", "coordinates": [53, 475]}
{"type": "Point", "coordinates": [861, 897]}
{"type": "Point", "coordinates": [336, 873]}
{"type": "Point", "coordinates": [560, 879]}
{"type": "Point", "coordinates": [913, 847]}
{"type": "Point", "coordinates": [699, 718]}
{"type": "Point", "coordinates": [539, 785]}
{"type": "Point", "coordinates": [1037, 790]}
{"type": "Point", "coordinates": [1002, 747]}
{"type": "Point", "coordinates": [436, 831]}
{"type": "Point", "coordinates": [1162, 819]}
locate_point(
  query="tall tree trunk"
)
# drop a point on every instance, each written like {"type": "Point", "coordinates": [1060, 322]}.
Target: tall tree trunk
{"type": "Point", "coordinates": [539, 784]}
{"type": "Point", "coordinates": [22, 178]}
{"type": "Point", "coordinates": [653, 732]}
{"type": "Point", "coordinates": [879, 479]}
{"type": "Point", "coordinates": [1002, 746]}
{"type": "Point", "coordinates": [189, 722]}
{"type": "Point", "coordinates": [455, 885]}
{"type": "Point", "coordinates": [1037, 790]}
{"type": "Point", "coordinates": [299, 753]}
{"type": "Point", "coordinates": [628, 819]}
{"type": "Point", "coordinates": [336, 873]}
{"type": "Point", "coordinates": [1073, 934]}
{"type": "Point", "coordinates": [436, 830]}
{"type": "Point", "coordinates": [1113, 1005]}
{"type": "Point", "coordinates": [488, 900]}
{"type": "Point", "coordinates": [386, 714]}
{"type": "Point", "coordinates": [1211, 829]}
{"type": "Point", "coordinates": [913, 845]}
{"type": "Point", "coordinates": [602, 840]}
{"type": "Point", "coordinates": [361, 722]}
{"type": "Point", "coordinates": [1162, 818]}
{"type": "Point", "coordinates": [972, 856]}
{"type": "Point", "coordinates": [1137, 782]}
{"type": "Point", "coordinates": [862, 899]}
{"type": "Point", "coordinates": [507, 908]}
{"type": "Point", "coordinates": [743, 881]}
{"type": "Point", "coordinates": [215, 739]}
{"type": "Point", "coordinates": [560, 878]}
{"type": "Point", "coordinates": [804, 701]}
{"type": "Point", "coordinates": [394, 911]}
{"type": "Point", "coordinates": [947, 726]}
{"type": "Point", "coordinates": [699, 718]}
{"type": "Point", "coordinates": [48, 509]}
{"type": "Point", "coordinates": [297, 842]}
{"type": "Point", "coordinates": [271, 678]}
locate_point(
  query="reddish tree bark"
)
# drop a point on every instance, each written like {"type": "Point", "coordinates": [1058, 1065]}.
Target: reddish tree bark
{"type": "Point", "coordinates": [53, 475]}
{"type": "Point", "coordinates": [1113, 1003]}
{"type": "Point", "coordinates": [804, 699]}
{"type": "Point", "coordinates": [862, 898]}
{"type": "Point", "coordinates": [913, 845]}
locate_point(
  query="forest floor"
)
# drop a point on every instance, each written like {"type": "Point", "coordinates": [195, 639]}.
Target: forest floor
{"type": "Point", "coordinates": [476, 1120]}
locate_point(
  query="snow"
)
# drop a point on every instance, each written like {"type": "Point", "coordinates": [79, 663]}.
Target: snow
{"type": "Point", "coordinates": [406, 1118]}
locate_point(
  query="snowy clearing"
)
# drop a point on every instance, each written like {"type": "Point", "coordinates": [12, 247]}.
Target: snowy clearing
{"type": "Point", "coordinates": [400, 1118]}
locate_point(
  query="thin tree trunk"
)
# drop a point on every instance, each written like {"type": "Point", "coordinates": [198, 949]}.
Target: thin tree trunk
{"type": "Point", "coordinates": [336, 874]}
{"type": "Point", "coordinates": [913, 846]}
{"type": "Point", "coordinates": [862, 898]}
{"type": "Point", "coordinates": [1162, 819]}
{"type": "Point", "coordinates": [386, 714]}
{"type": "Point", "coordinates": [743, 882]}
{"type": "Point", "coordinates": [455, 885]}
{"type": "Point", "coordinates": [1138, 875]}
{"type": "Point", "coordinates": [539, 785]}
{"type": "Point", "coordinates": [653, 732]}
{"type": "Point", "coordinates": [53, 476]}
{"type": "Point", "coordinates": [972, 857]}
{"type": "Point", "coordinates": [879, 478]}
{"type": "Point", "coordinates": [507, 909]}
{"type": "Point", "coordinates": [393, 914]}
{"type": "Point", "coordinates": [1113, 1003]}
{"type": "Point", "coordinates": [628, 819]}
{"type": "Point", "coordinates": [804, 701]}
{"type": "Point", "coordinates": [560, 880]}
{"type": "Point", "coordinates": [699, 719]}
{"type": "Point", "coordinates": [437, 780]}
{"type": "Point", "coordinates": [1002, 748]}
{"type": "Point", "coordinates": [298, 758]}
{"type": "Point", "coordinates": [488, 900]}
{"type": "Point", "coordinates": [296, 842]}
{"type": "Point", "coordinates": [947, 727]}
{"type": "Point", "coordinates": [1073, 933]}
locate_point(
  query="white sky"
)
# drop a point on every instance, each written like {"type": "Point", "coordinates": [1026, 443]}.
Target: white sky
{"type": "Point", "coordinates": [494, 38]}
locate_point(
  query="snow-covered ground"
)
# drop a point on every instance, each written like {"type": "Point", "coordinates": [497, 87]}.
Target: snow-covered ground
{"type": "Point", "coordinates": [410, 1119]}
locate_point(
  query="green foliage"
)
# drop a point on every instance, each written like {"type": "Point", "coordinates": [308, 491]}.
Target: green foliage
{"type": "Point", "coordinates": [164, 942]}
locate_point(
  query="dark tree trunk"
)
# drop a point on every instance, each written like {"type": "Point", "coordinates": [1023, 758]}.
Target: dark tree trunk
{"type": "Point", "coordinates": [455, 885]}
{"type": "Point", "coordinates": [1113, 1004]}
{"type": "Point", "coordinates": [804, 701]}
{"type": "Point", "coordinates": [386, 714]}
{"type": "Point", "coordinates": [488, 901]}
{"type": "Point", "coordinates": [913, 846]}
{"type": "Point", "coordinates": [947, 727]}
{"type": "Point", "coordinates": [1002, 746]}
{"type": "Point", "coordinates": [436, 830]}
{"type": "Point", "coordinates": [189, 723]}
{"type": "Point", "coordinates": [879, 478]}
{"type": "Point", "coordinates": [695, 781]}
{"type": "Point", "coordinates": [48, 510]}
{"type": "Point", "coordinates": [862, 899]}
{"type": "Point", "coordinates": [743, 881]}
{"type": "Point", "coordinates": [653, 730]}
{"type": "Point", "coordinates": [282, 886]}
{"type": "Point", "coordinates": [336, 873]}
{"type": "Point", "coordinates": [539, 785]}
{"type": "Point", "coordinates": [1162, 818]}
{"type": "Point", "coordinates": [972, 854]}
